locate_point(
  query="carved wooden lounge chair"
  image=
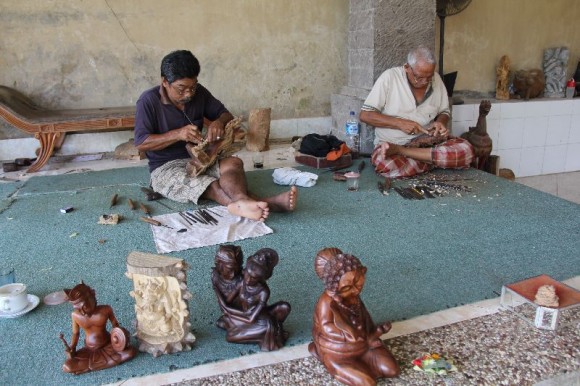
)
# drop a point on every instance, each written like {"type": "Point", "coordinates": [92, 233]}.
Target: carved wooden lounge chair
{"type": "Point", "coordinates": [51, 126]}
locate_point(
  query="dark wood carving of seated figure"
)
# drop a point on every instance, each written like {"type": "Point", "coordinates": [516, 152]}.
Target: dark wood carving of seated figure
{"type": "Point", "coordinates": [226, 279]}
{"type": "Point", "coordinates": [247, 317]}
{"type": "Point", "coordinates": [345, 339]}
{"type": "Point", "coordinates": [102, 350]}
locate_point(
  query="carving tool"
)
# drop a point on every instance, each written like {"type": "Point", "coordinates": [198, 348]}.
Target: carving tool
{"type": "Point", "coordinates": [361, 166]}
{"type": "Point", "coordinates": [198, 217]}
{"type": "Point", "coordinates": [384, 187]}
{"type": "Point", "coordinates": [151, 195]}
{"type": "Point", "coordinates": [154, 196]}
{"type": "Point", "coordinates": [208, 216]}
{"type": "Point", "coordinates": [114, 200]}
{"type": "Point", "coordinates": [151, 221]}
{"type": "Point", "coordinates": [186, 218]}
{"type": "Point", "coordinates": [402, 193]}
{"type": "Point", "coordinates": [145, 210]}
{"type": "Point", "coordinates": [415, 193]}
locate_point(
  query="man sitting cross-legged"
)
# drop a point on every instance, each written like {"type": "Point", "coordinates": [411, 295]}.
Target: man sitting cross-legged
{"type": "Point", "coordinates": [171, 115]}
{"type": "Point", "coordinates": [409, 108]}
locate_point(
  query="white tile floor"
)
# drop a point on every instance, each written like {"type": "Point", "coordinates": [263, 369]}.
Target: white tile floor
{"type": "Point", "coordinates": [564, 185]}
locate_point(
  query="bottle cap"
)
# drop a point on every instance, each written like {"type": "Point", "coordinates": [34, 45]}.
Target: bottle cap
{"type": "Point", "coordinates": [571, 83]}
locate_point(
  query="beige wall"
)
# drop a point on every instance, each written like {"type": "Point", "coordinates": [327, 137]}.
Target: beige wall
{"type": "Point", "coordinates": [288, 55]}
{"type": "Point", "coordinates": [476, 38]}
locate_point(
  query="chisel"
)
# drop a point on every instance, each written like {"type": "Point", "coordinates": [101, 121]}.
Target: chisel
{"type": "Point", "coordinates": [114, 200]}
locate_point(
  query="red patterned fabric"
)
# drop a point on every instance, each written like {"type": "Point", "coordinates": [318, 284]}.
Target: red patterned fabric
{"type": "Point", "coordinates": [455, 153]}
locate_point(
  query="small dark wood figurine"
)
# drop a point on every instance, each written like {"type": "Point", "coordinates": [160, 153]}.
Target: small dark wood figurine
{"type": "Point", "coordinates": [479, 138]}
{"type": "Point", "coordinates": [243, 298]}
{"type": "Point", "coordinates": [345, 338]}
{"type": "Point", "coordinates": [529, 83]}
{"type": "Point", "coordinates": [102, 350]}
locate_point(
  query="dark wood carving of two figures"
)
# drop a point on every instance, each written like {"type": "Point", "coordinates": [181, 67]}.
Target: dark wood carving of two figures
{"type": "Point", "coordinates": [102, 349]}
{"type": "Point", "coordinates": [243, 294]}
{"type": "Point", "coordinates": [345, 338]}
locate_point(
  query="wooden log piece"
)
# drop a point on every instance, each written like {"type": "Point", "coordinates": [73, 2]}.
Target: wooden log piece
{"type": "Point", "coordinates": [258, 129]}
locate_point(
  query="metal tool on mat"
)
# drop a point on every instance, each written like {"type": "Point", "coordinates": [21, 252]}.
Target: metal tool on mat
{"type": "Point", "coordinates": [114, 200]}
{"type": "Point", "coordinates": [160, 224]}
{"type": "Point", "coordinates": [154, 196]}
{"type": "Point", "coordinates": [361, 166]}
{"type": "Point", "coordinates": [384, 187]}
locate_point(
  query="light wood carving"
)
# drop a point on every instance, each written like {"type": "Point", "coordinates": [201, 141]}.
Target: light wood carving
{"type": "Point", "coordinates": [161, 303]}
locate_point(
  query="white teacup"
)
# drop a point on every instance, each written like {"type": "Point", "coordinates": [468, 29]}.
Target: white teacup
{"type": "Point", "coordinates": [13, 298]}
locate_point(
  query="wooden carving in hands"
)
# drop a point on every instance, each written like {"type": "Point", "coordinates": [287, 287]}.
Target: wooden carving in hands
{"type": "Point", "coordinates": [205, 154]}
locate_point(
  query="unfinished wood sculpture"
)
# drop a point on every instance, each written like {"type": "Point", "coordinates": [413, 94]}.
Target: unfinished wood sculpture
{"type": "Point", "coordinates": [529, 83]}
{"type": "Point", "coordinates": [502, 79]}
{"type": "Point", "coordinates": [205, 154]}
{"type": "Point", "coordinates": [258, 129]}
{"type": "Point", "coordinates": [345, 338]}
{"type": "Point", "coordinates": [102, 349]}
{"type": "Point", "coordinates": [161, 303]}
{"type": "Point", "coordinates": [479, 138]}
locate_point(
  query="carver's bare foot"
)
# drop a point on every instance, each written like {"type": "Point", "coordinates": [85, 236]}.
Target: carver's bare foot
{"type": "Point", "coordinates": [283, 202]}
{"type": "Point", "coordinates": [254, 210]}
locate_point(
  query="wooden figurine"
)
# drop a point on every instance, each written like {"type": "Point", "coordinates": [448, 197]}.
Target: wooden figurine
{"type": "Point", "coordinates": [529, 83]}
{"type": "Point", "coordinates": [345, 339]}
{"type": "Point", "coordinates": [226, 278]}
{"type": "Point", "coordinates": [479, 138]}
{"type": "Point", "coordinates": [161, 307]}
{"type": "Point", "coordinates": [205, 154]}
{"type": "Point", "coordinates": [502, 91]}
{"type": "Point", "coordinates": [102, 349]}
{"type": "Point", "coordinates": [243, 296]}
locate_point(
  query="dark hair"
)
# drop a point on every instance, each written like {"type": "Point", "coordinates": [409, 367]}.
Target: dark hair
{"type": "Point", "coordinates": [178, 65]}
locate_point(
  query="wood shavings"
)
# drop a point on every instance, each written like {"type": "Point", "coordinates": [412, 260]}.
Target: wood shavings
{"type": "Point", "coordinates": [110, 219]}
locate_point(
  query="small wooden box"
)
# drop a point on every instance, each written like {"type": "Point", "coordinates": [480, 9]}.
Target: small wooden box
{"type": "Point", "coordinates": [321, 162]}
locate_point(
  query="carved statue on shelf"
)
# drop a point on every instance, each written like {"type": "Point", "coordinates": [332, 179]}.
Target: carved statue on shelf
{"type": "Point", "coordinates": [247, 317]}
{"type": "Point", "coordinates": [102, 350]}
{"type": "Point", "coordinates": [478, 137]}
{"type": "Point", "coordinates": [555, 64]}
{"type": "Point", "coordinates": [529, 83]}
{"type": "Point", "coordinates": [161, 308]}
{"type": "Point", "coordinates": [345, 339]}
{"type": "Point", "coordinates": [503, 77]}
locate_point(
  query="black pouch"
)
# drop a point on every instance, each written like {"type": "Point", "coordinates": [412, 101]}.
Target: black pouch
{"type": "Point", "coordinates": [319, 145]}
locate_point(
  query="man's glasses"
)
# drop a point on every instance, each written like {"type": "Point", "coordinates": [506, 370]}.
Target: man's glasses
{"type": "Point", "coordinates": [184, 90]}
{"type": "Point", "coordinates": [422, 79]}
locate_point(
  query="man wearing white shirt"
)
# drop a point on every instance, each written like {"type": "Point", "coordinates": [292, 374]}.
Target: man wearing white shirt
{"type": "Point", "coordinates": [409, 108]}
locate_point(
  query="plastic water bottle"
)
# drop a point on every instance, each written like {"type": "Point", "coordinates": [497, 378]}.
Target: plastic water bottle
{"type": "Point", "coordinates": [353, 135]}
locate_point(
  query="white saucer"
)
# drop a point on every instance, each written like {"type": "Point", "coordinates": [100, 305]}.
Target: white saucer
{"type": "Point", "coordinates": [33, 301]}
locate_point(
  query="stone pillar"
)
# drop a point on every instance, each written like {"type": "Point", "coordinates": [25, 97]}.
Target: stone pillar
{"type": "Point", "coordinates": [381, 33]}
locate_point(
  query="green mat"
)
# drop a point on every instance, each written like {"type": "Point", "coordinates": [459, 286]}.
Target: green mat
{"type": "Point", "coordinates": [423, 256]}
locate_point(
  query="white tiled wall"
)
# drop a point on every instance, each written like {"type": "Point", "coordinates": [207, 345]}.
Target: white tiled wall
{"type": "Point", "coordinates": [531, 138]}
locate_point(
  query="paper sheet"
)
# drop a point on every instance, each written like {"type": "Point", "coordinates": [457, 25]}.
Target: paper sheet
{"type": "Point", "coordinates": [228, 229]}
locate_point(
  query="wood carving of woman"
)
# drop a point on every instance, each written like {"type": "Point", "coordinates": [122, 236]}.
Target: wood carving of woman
{"type": "Point", "coordinates": [345, 339]}
{"type": "Point", "coordinates": [226, 278]}
{"type": "Point", "coordinates": [253, 320]}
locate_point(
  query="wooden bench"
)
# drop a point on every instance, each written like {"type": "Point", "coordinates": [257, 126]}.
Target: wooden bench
{"type": "Point", "coordinates": [51, 126]}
